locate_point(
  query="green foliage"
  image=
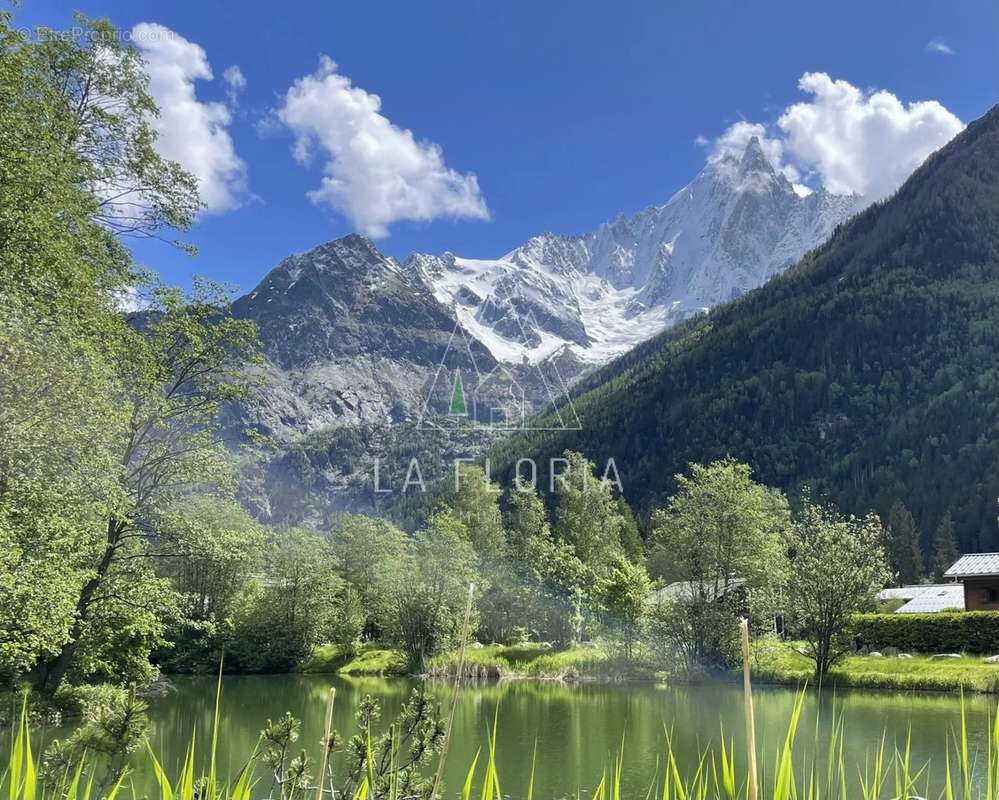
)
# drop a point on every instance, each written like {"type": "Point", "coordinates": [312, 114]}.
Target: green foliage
{"type": "Point", "coordinates": [475, 501]}
{"type": "Point", "coordinates": [587, 515]}
{"type": "Point", "coordinates": [943, 632]}
{"type": "Point", "coordinates": [113, 727]}
{"type": "Point", "coordinates": [364, 659]}
{"type": "Point", "coordinates": [837, 567]}
{"type": "Point", "coordinates": [218, 549]}
{"type": "Point", "coordinates": [105, 430]}
{"type": "Point", "coordinates": [429, 611]}
{"type": "Point", "coordinates": [176, 374]}
{"type": "Point", "coordinates": [553, 579]}
{"type": "Point", "coordinates": [57, 425]}
{"type": "Point", "coordinates": [391, 763]}
{"type": "Point", "coordinates": [531, 660]}
{"type": "Point", "coordinates": [55, 258]}
{"type": "Point", "coordinates": [692, 634]}
{"type": "Point", "coordinates": [905, 556]}
{"type": "Point", "coordinates": [866, 372]}
{"type": "Point", "coordinates": [299, 605]}
{"type": "Point", "coordinates": [722, 535]}
{"type": "Point", "coordinates": [102, 83]}
{"type": "Point", "coordinates": [372, 555]}
{"type": "Point", "coordinates": [945, 551]}
{"type": "Point", "coordinates": [666, 635]}
{"type": "Point", "coordinates": [623, 593]}
{"type": "Point", "coordinates": [631, 537]}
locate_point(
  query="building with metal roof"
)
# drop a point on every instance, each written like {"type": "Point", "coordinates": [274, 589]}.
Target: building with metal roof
{"type": "Point", "coordinates": [974, 564]}
{"type": "Point", "coordinates": [932, 599]}
{"type": "Point", "coordinates": [978, 573]}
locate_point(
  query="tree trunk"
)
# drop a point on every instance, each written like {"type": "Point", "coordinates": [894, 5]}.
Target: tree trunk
{"type": "Point", "coordinates": [55, 671]}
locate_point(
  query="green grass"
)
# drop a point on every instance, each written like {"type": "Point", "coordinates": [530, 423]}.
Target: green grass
{"type": "Point", "coordinates": [368, 659]}
{"type": "Point", "coordinates": [534, 661]}
{"type": "Point", "coordinates": [772, 662]}
{"type": "Point", "coordinates": [780, 663]}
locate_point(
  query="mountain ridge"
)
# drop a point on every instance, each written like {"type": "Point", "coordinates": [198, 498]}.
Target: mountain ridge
{"type": "Point", "coordinates": [866, 370]}
{"type": "Point", "coordinates": [354, 336]}
{"type": "Point", "coordinates": [735, 225]}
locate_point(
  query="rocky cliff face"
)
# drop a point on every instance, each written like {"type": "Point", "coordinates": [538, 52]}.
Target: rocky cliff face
{"type": "Point", "coordinates": [347, 337]}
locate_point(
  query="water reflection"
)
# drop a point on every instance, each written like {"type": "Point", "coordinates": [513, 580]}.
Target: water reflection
{"type": "Point", "coordinates": [578, 728]}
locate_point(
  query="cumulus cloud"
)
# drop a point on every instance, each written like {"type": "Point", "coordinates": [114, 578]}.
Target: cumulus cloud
{"type": "Point", "coordinates": [235, 82]}
{"type": "Point", "coordinates": [848, 140]}
{"type": "Point", "coordinates": [374, 172]}
{"type": "Point", "coordinates": [937, 46]}
{"type": "Point", "coordinates": [865, 143]}
{"type": "Point", "coordinates": [129, 300]}
{"type": "Point", "coordinates": [190, 131]}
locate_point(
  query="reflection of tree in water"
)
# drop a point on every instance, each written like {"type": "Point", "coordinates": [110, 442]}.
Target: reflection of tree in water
{"type": "Point", "coordinates": [578, 727]}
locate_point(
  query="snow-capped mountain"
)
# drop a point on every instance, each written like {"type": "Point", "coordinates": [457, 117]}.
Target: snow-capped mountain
{"type": "Point", "coordinates": [352, 337]}
{"type": "Point", "coordinates": [735, 225]}
{"type": "Point", "coordinates": [348, 340]}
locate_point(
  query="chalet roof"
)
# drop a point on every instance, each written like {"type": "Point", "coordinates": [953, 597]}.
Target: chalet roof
{"type": "Point", "coordinates": [934, 598]}
{"type": "Point", "coordinates": [690, 590]}
{"type": "Point", "coordinates": [901, 592]}
{"type": "Point", "coordinates": [974, 565]}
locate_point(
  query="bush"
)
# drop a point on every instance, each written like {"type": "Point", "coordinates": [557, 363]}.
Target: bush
{"type": "Point", "coordinates": [945, 632]}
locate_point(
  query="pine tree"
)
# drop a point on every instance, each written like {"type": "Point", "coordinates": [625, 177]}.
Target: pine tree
{"type": "Point", "coordinates": [457, 407]}
{"type": "Point", "coordinates": [904, 553]}
{"type": "Point", "coordinates": [945, 551]}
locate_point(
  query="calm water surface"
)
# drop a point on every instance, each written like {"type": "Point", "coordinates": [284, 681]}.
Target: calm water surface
{"type": "Point", "coordinates": [578, 728]}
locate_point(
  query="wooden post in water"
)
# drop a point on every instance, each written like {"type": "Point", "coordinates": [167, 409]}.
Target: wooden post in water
{"type": "Point", "coordinates": [747, 689]}
{"type": "Point", "coordinates": [445, 746]}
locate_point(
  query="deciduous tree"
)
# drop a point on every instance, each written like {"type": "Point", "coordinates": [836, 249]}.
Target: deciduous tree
{"type": "Point", "coordinates": [837, 567]}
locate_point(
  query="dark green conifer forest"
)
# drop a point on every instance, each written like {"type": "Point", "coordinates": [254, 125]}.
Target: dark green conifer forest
{"type": "Point", "coordinates": [868, 372]}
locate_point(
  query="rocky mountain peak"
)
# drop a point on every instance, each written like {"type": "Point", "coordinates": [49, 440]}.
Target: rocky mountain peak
{"type": "Point", "coordinates": [754, 159]}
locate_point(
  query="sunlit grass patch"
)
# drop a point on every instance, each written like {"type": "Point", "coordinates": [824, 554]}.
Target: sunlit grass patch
{"type": "Point", "coordinates": [780, 663]}
{"type": "Point", "coordinates": [536, 661]}
{"type": "Point", "coordinates": [368, 659]}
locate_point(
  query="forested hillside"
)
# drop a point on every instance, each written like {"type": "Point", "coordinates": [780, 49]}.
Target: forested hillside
{"type": "Point", "coordinates": [868, 371]}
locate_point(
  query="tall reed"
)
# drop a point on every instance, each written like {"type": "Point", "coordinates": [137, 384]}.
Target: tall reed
{"type": "Point", "coordinates": [715, 773]}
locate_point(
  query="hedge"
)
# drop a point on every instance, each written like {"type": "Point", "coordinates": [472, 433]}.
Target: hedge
{"type": "Point", "coordinates": [945, 632]}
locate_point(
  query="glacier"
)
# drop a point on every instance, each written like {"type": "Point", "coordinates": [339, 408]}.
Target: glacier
{"type": "Point", "coordinates": [597, 295]}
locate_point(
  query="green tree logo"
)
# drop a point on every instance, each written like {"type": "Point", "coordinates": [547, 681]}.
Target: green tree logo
{"type": "Point", "coordinates": [457, 407]}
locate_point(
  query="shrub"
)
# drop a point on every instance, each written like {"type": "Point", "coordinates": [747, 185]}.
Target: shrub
{"type": "Point", "coordinates": [945, 632]}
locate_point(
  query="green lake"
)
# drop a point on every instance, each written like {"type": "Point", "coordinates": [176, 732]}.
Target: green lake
{"type": "Point", "coordinates": [578, 728]}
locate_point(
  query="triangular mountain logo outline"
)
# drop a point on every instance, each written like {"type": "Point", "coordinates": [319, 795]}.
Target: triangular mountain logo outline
{"type": "Point", "coordinates": [457, 407]}
{"type": "Point", "coordinates": [465, 397]}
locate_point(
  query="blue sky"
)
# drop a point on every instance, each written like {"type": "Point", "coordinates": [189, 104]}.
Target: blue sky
{"type": "Point", "coordinates": [566, 112]}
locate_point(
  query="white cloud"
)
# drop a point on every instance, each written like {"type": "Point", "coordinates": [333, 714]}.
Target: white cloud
{"type": "Point", "coordinates": [235, 82]}
{"type": "Point", "coordinates": [375, 172]}
{"type": "Point", "coordinates": [130, 300]}
{"type": "Point", "coordinates": [732, 143]}
{"type": "Point", "coordinates": [865, 143]}
{"type": "Point", "coordinates": [848, 140]}
{"type": "Point", "coordinates": [937, 46]}
{"type": "Point", "coordinates": [190, 131]}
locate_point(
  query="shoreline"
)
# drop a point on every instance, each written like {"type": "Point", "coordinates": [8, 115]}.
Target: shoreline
{"type": "Point", "coordinates": [774, 665]}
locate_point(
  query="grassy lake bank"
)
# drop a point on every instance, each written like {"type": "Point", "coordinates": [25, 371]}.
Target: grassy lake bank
{"type": "Point", "coordinates": [780, 663]}
{"type": "Point", "coordinates": [773, 663]}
